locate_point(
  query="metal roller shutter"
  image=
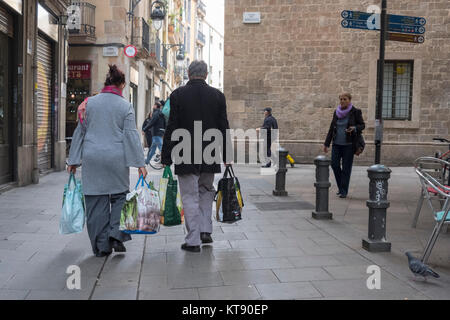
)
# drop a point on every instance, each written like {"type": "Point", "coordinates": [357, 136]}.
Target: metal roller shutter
{"type": "Point", "coordinates": [6, 22]}
{"type": "Point", "coordinates": [44, 103]}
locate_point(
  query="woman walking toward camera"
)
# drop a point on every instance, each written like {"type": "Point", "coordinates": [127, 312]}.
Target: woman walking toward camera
{"type": "Point", "coordinates": [346, 126]}
{"type": "Point", "coordinates": [106, 143]}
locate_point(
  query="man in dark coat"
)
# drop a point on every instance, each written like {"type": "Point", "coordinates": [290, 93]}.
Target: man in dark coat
{"type": "Point", "coordinates": [270, 124]}
{"type": "Point", "coordinates": [157, 127]}
{"type": "Point", "coordinates": [196, 108]}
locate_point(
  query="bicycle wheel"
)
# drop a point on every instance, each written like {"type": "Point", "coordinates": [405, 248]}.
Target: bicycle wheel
{"type": "Point", "coordinates": [155, 162]}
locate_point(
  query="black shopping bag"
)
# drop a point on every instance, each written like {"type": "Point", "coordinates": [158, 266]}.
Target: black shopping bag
{"type": "Point", "coordinates": [229, 202]}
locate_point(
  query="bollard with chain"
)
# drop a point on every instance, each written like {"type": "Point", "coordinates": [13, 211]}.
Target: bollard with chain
{"type": "Point", "coordinates": [378, 204]}
{"type": "Point", "coordinates": [322, 188]}
{"type": "Point", "coordinates": [280, 178]}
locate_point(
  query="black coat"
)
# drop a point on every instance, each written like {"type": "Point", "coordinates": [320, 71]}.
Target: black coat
{"type": "Point", "coordinates": [157, 124]}
{"type": "Point", "coordinates": [355, 120]}
{"type": "Point", "coordinates": [269, 124]}
{"type": "Point", "coordinates": [148, 133]}
{"type": "Point", "coordinates": [196, 101]}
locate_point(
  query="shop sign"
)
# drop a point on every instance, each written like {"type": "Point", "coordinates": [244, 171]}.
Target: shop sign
{"type": "Point", "coordinates": [79, 70]}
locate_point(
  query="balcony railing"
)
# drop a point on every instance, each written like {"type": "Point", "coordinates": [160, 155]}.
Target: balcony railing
{"type": "Point", "coordinates": [145, 35]}
{"type": "Point", "coordinates": [141, 35]}
{"type": "Point", "coordinates": [201, 8]}
{"type": "Point", "coordinates": [201, 37]}
{"type": "Point", "coordinates": [87, 20]}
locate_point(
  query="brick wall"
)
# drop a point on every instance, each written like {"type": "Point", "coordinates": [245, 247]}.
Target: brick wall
{"type": "Point", "coordinates": [299, 59]}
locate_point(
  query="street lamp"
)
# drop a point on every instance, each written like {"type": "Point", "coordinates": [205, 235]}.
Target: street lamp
{"type": "Point", "coordinates": [180, 54]}
{"type": "Point", "coordinates": [158, 14]}
{"type": "Point", "coordinates": [63, 19]}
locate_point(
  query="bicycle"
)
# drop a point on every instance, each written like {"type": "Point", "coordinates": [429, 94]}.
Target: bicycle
{"type": "Point", "coordinates": [155, 162]}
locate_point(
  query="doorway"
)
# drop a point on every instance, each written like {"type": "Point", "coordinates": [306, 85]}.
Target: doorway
{"type": "Point", "coordinates": [6, 135]}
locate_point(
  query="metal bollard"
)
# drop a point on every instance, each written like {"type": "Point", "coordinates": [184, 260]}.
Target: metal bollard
{"type": "Point", "coordinates": [280, 178]}
{"type": "Point", "coordinates": [378, 204]}
{"type": "Point", "coordinates": [322, 185]}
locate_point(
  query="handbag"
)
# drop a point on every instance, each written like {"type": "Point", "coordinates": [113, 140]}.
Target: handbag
{"type": "Point", "coordinates": [73, 207]}
{"type": "Point", "coordinates": [229, 201]}
{"type": "Point", "coordinates": [360, 144]}
{"type": "Point", "coordinates": [171, 211]}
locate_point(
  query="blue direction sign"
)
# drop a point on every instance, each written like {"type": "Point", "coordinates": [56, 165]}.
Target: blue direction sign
{"type": "Point", "coordinates": [392, 18]}
{"type": "Point", "coordinates": [364, 20]}
{"type": "Point", "coordinates": [410, 21]}
{"type": "Point", "coordinates": [393, 27]}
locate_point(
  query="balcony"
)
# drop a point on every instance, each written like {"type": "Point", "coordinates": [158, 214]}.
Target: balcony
{"type": "Point", "coordinates": [155, 60]}
{"type": "Point", "coordinates": [171, 33]}
{"type": "Point", "coordinates": [84, 31]}
{"type": "Point", "coordinates": [141, 37]}
{"type": "Point", "coordinates": [200, 38]}
{"type": "Point", "coordinates": [201, 9]}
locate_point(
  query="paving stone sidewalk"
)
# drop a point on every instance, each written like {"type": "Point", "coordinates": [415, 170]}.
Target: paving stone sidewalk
{"type": "Point", "coordinates": [276, 252]}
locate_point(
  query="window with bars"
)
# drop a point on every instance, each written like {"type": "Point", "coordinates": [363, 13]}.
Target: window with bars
{"type": "Point", "coordinates": [398, 89]}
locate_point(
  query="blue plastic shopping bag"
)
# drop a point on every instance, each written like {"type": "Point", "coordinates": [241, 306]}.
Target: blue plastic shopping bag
{"type": "Point", "coordinates": [73, 208]}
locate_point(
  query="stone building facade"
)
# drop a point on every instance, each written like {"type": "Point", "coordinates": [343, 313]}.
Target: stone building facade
{"type": "Point", "coordinates": [33, 52]}
{"type": "Point", "coordinates": [298, 60]}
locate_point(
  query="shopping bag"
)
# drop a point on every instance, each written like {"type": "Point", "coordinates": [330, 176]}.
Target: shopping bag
{"type": "Point", "coordinates": [171, 208]}
{"type": "Point", "coordinates": [141, 211]}
{"type": "Point", "coordinates": [73, 207]}
{"type": "Point", "coordinates": [166, 110]}
{"type": "Point", "coordinates": [229, 201]}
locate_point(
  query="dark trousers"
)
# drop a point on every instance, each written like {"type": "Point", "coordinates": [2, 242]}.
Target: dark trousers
{"type": "Point", "coordinates": [342, 172]}
{"type": "Point", "coordinates": [103, 220]}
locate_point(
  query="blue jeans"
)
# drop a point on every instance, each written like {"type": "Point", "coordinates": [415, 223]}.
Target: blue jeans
{"type": "Point", "coordinates": [156, 143]}
{"type": "Point", "coordinates": [342, 173]}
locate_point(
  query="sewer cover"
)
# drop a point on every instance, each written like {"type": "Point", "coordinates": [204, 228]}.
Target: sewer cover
{"type": "Point", "coordinates": [274, 206]}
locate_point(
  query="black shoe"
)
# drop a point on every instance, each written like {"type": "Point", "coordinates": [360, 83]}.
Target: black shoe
{"type": "Point", "coordinates": [206, 237]}
{"type": "Point", "coordinates": [118, 246]}
{"type": "Point", "coordinates": [338, 193]}
{"type": "Point", "coordinates": [343, 196]}
{"type": "Point", "coordinates": [102, 254]}
{"type": "Point", "coordinates": [184, 246]}
{"type": "Point", "coordinates": [267, 165]}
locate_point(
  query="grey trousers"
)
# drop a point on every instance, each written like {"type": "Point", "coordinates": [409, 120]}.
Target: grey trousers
{"type": "Point", "coordinates": [103, 220]}
{"type": "Point", "coordinates": [197, 194]}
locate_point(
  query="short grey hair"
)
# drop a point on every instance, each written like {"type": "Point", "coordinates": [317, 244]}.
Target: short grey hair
{"type": "Point", "coordinates": [198, 69]}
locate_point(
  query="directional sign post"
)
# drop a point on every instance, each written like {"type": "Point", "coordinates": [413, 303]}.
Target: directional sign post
{"type": "Point", "coordinates": [371, 21]}
{"type": "Point", "coordinates": [394, 28]}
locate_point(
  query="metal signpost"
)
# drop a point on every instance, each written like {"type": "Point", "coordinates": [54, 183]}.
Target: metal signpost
{"type": "Point", "coordinates": [393, 28]}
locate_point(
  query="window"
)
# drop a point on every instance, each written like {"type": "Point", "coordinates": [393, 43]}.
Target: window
{"type": "Point", "coordinates": [397, 91]}
{"type": "Point", "coordinates": [188, 45]}
{"type": "Point", "coordinates": [189, 11]}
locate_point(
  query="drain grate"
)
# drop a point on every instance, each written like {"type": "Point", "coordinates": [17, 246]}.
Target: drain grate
{"type": "Point", "coordinates": [273, 206]}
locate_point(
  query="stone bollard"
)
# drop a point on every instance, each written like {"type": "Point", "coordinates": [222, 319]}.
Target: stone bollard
{"type": "Point", "coordinates": [322, 188]}
{"type": "Point", "coordinates": [378, 204]}
{"type": "Point", "coordinates": [280, 178]}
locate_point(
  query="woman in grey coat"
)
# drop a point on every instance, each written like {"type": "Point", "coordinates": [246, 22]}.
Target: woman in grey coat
{"type": "Point", "coordinates": [106, 143]}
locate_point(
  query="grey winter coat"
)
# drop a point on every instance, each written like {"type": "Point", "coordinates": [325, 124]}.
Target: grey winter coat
{"type": "Point", "coordinates": [106, 144]}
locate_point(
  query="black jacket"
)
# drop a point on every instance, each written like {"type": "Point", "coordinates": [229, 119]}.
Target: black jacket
{"type": "Point", "coordinates": [157, 124]}
{"type": "Point", "coordinates": [355, 120]}
{"type": "Point", "coordinates": [196, 101]}
{"type": "Point", "coordinates": [270, 123]}
{"type": "Point", "coordinates": [148, 133]}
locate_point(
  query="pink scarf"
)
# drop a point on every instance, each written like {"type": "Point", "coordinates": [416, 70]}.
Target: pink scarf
{"type": "Point", "coordinates": [82, 106]}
